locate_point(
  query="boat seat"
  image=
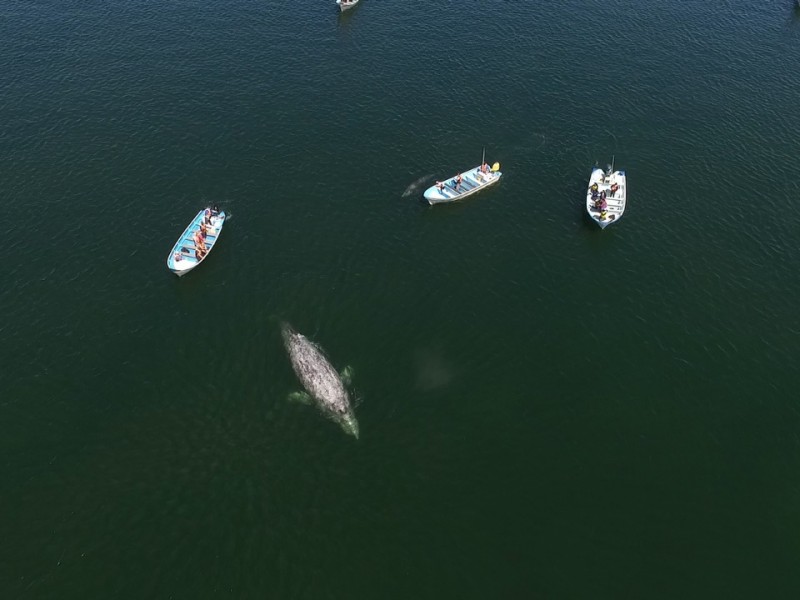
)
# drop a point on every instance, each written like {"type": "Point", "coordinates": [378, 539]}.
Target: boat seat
{"type": "Point", "coordinates": [468, 184]}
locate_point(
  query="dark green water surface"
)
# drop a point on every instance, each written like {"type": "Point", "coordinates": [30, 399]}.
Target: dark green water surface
{"type": "Point", "coordinates": [547, 410]}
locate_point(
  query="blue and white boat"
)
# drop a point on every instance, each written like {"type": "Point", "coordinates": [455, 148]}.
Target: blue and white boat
{"type": "Point", "coordinates": [184, 255]}
{"type": "Point", "coordinates": [463, 184]}
{"type": "Point", "coordinates": [346, 4]}
{"type": "Point", "coordinates": [606, 195]}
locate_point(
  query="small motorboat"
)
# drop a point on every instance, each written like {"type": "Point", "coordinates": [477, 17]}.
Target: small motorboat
{"type": "Point", "coordinates": [346, 4]}
{"type": "Point", "coordinates": [185, 254]}
{"type": "Point", "coordinates": [463, 184]}
{"type": "Point", "coordinates": [606, 195]}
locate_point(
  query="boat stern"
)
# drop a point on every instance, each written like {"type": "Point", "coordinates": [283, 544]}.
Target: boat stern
{"type": "Point", "coordinates": [180, 266]}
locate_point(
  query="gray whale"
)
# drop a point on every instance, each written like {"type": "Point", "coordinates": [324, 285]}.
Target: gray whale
{"type": "Point", "coordinates": [324, 385]}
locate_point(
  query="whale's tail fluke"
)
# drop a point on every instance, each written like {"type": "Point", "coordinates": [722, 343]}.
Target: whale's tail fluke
{"type": "Point", "coordinates": [350, 425]}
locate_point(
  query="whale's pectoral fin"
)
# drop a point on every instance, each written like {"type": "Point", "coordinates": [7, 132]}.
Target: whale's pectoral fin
{"type": "Point", "coordinates": [347, 375]}
{"type": "Point", "coordinates": [300, 397]}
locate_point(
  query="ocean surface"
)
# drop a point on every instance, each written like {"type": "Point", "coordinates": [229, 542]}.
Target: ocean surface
{"type": "Point", "coordinates": [547, 410]}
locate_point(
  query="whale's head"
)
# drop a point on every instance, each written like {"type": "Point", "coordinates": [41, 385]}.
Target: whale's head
{"type": "Point", "coordinates": [349, 424]}
{"type": "Point", "coordinates": [286, 332]}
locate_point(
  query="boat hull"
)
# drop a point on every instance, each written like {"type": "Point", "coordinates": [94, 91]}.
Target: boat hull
{"type": "Point", "coordinates": [614, 186]}
{"type": "Point", "coordinates": [182, 258]}
{"type": "Point", "coordinates": [343, 6]}
{"type": "Point", "coordinates": [472, 182]}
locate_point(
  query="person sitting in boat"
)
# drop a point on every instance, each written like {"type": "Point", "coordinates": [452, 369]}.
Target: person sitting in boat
{"type": "Point", "coordinates": [614, 188]}
{"type": "Point", "coordinates": [199, 242]}
{"type": "Point", "coordinates": [203, 230]}
{"type": "Point", "coordinates": [603, 215]}
{"type": "Point", "coordinates": [594, 188]}
{"type": "Point", "coordinates": [440, 186]}
{"type": "Point", "coordinates": [485, 168]}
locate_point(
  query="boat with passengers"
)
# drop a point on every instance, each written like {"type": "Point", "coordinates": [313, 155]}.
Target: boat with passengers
{"type": "Point", "coordinates": [196, 241]}
{"type": "Point", "coordinates": [606, 195]}
{"type": "Point", "coordinates": [463, 184]}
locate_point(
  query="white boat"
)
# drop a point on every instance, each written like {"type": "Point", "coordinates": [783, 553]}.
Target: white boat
{"type": "Point", "coordinates": [606, 195]}
{"type": "Point", "coordinates": [463, 184]}
{"type": "Point", "coordinates": [346, 4]}
{"type": "Point", "coordinates": [184, 255]}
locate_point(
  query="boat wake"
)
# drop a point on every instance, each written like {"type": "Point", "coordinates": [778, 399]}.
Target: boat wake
{"type": "Point", "coordinates": [417, 185]}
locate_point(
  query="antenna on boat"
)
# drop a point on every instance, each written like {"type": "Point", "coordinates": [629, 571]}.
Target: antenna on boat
{"type": "Point", "coordinates": [612, 163]}
{"type": "Point", "coordinates": [483, 158]}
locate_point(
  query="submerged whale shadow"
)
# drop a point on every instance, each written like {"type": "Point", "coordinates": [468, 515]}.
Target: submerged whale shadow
{"type": "Point", "coordinates": [432, 369]}
{"type": "Point", "coordinates": [416, 185]}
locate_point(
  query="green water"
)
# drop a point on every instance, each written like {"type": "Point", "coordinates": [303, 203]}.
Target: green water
{"type": "Point", "coordinates": [547, 410]}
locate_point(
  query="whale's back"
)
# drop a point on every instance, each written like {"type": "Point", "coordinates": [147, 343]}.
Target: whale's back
{"type": "Point", "coordinates": [315, 372]}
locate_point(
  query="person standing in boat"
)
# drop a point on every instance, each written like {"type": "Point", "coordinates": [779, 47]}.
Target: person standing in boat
{"type": "Point", "coordinates": [209, 214]}
{"type": "Point", "coordinates": [457, 180]}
